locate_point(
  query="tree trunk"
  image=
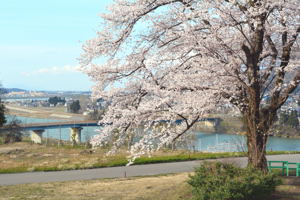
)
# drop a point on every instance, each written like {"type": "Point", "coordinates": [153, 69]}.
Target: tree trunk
{"type": "Point", "coordinates": [256, 143]}
{"type": "Point", "coordinates": [256, 151]}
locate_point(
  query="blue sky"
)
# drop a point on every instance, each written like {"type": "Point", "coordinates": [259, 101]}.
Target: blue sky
{"type": "Point", "coordinates": [40, 42]}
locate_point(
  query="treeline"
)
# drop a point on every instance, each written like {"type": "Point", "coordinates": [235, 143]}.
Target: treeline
{"type": "Point", "coordinates": [289, 118]}
{"type": "Point", "coordinates": [73, 106]}
{"type": "Point", "coordinates": [55, 100]}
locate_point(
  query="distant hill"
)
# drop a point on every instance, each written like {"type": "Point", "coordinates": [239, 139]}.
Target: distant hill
{"type": "Point", "coordinates": [3, 91]}
{"type": "Point", "coordinates": [14, 90]}
{"type": "Point", "coordinates": [8, 90]}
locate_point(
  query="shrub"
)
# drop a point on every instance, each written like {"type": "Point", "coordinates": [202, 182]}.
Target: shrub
{"type": "Point", "coordinates": [219, 181]}
{"type": "Point", "coordinates": [13, 132]}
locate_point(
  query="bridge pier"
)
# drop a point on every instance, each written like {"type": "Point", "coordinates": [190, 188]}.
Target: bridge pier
{"type": "Point", "coordinates": [75, 135]}
{"type": "Point", "coordinates": [36, 136]}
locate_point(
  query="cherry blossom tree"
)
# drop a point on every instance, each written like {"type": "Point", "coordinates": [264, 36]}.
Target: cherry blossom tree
{"type": "Point", "coordinates": [166, 64]}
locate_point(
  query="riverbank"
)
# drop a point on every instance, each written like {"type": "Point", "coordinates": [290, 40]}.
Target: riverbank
{"type": "Point", "coordinates": [43, 113]}
{"type": "Point", "coordinates": [27, 157]}
{"type": "Point", "coordinates": [234, 125]}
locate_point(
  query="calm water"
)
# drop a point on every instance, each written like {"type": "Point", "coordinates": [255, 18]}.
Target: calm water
{"type": "Point", "coordinates": [28, 120]}
{"type": "Point", "coordinates": [63, 133]}
{"type": "Point", "coordinates": [216, 142]}
{"type": "Point", "coordinates": [228, 142]}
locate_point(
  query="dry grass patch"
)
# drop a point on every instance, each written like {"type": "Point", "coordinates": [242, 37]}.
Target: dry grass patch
{"type": "Point", "coordinates": [289, 190]}
{"type": "Point", "coordinates": [44, 112]}
{"type": "Point", "coordinates": [24, 156]}
{"type": "Point", "coordinates": [168, 187]}
{"type": "Point", "coordinates": [164, 187]}
{"type": "Point", "coordinates": [29, 157]}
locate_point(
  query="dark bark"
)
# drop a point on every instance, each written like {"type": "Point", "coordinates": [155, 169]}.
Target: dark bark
{"type": "Point", "coordinates": [257, 124]}
{"type": "Point", "coordinates": [256, 151]}
{"type": "Point", "coordinates": [256, 143]}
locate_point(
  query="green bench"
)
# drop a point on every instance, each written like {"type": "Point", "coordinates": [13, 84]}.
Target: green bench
{"type": "Point", "coordinates": [284, 165]}
{"type": "Point", "coordinates": [294, 166]}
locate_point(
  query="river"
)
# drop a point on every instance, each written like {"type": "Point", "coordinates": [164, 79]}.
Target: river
{"type": "Point", "coordinates": [212, 142]}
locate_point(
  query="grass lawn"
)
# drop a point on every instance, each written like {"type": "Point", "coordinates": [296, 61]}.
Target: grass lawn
{"type": "Point", "coordinates": [24, 156]}
{"type": "Point", "coordinates": [164, 187]}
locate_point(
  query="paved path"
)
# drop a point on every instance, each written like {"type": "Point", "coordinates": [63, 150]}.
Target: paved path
{"type": "Point", "coordinates": [115, 172]}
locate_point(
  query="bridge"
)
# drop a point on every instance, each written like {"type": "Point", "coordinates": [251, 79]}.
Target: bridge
{"type": "Point", "coordinates": [37, 129]}
{"type": "Point", "coordinates": [55, 125]}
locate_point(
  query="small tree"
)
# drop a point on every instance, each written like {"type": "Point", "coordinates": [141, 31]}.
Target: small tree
{"type": "Point", "coordinates": [2, 114]}
{"type": "Point", "coordinates": [2, 107]}
{"type": "Point", "coordinates": [13, 132]}
{"type": "Point", "coordinates": [75, 106]}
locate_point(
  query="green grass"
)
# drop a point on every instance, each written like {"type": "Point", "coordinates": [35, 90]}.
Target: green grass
{"type": "Point", "coordinates": [200, 156]}
{"type": "Point", "coordinates": [282, 152]}
{"type": "Point", "coordinates": [122, 161]}
{"type": "Point", "coordinates": [13, 170]}
{"type": "Point", "coordinates": [185, 157]}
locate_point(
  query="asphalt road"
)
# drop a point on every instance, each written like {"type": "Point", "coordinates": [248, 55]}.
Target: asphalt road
{"type": "Point", "coordinates": [118, 172]}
